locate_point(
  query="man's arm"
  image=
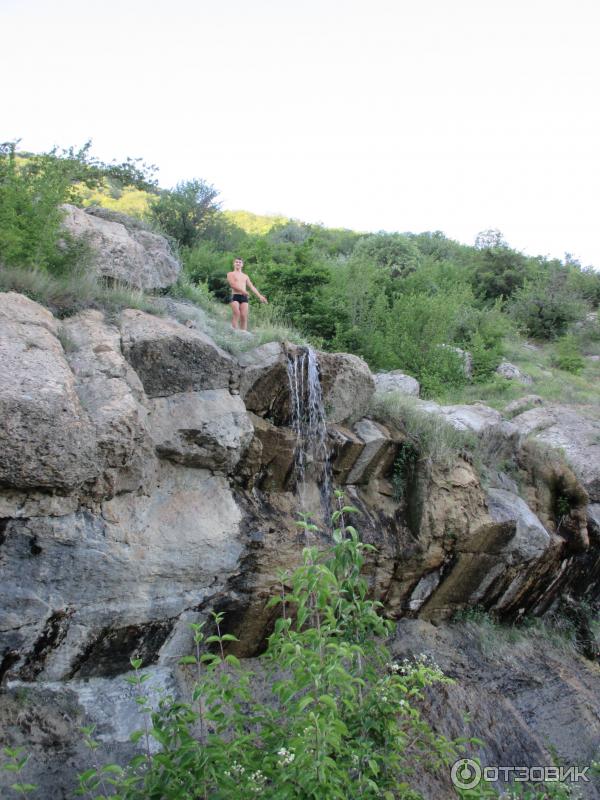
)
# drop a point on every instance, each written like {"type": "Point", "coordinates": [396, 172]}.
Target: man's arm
{"type": "Point", "coordinates": [253, 288]}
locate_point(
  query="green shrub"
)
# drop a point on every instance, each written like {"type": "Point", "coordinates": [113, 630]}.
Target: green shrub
{"type": "Point", "coordinates": [31, 234]}
{"type": "Point", "coordinates": [545, 307]}
{"type": "Point", "coordinates": [568, 355]}
{"type": "Point", "coordinates": [185, 211]}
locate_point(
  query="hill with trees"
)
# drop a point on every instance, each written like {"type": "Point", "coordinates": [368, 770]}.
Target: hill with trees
{"type": "Point", "coordinates": [401, 300]}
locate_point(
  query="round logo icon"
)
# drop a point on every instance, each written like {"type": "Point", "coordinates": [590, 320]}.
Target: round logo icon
{"type": "Point", "coordinates": [465, 773]}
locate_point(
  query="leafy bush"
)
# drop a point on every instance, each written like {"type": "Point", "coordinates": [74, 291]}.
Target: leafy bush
{"type": "Point", "coordinates": [185, 211]}
{"type": "Point", "coordinates": [567, 355]}
{"type": "Point", "coordinates": [545, 307]}
{"type": "Point", "coordinates": [31, 235]}
{"type": "Point", "coordinates": [393, 252]}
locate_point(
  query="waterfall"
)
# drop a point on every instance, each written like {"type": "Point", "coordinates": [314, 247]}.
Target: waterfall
{"type": "Point", "coordinates": [311, 456]}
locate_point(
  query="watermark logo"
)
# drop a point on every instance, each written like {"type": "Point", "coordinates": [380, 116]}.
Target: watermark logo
{"type": "Point", "coordinates": [467, 774]}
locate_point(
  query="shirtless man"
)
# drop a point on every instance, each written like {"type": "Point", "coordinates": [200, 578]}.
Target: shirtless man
{"type": "Point", "coordinates": [240, 283]}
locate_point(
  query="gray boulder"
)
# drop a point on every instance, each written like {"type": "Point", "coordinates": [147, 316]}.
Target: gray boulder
{"type": "Point", "coordinates": [396, 381]}
{"type": "Point", "coordinates": [46, 438]}
{"type": "Point", "coordinates": [112, 395]}
{"type": "Point", "coordinates": [512, 373]}
{"type": "Point", "coordinates": [123, 250]}
{"type": "Point", "coordinates": [522, 404]}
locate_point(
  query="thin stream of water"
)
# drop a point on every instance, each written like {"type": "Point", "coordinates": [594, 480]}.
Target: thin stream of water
{"type": "Point", "coordinates": [311, 458]}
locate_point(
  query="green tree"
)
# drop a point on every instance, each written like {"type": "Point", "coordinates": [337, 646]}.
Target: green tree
{"type": "Point", "coordinates": [546, 306]}
{"type": "Point", "coordinates": [185, 212]}
{"type": "Point", "coordinates": [393, 252]}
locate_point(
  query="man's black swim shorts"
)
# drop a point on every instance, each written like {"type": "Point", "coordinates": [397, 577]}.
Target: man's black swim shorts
{"type": "Point", "coordinates": [239, 298]}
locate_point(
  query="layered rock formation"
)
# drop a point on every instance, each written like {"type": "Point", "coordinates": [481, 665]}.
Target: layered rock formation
{"type": "Point", "coordinates": [147, 477]}
{"type": "Point", "coordinates": [123, 249]}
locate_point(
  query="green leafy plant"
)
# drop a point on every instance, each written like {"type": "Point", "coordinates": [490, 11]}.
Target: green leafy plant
{"type": "Point", "coordinates": [568, 355]}
{"type": "Point", "coordinates": [15, 764]}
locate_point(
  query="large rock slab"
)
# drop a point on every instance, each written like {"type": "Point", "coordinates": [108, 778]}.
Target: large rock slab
{"type": "Point", "coordinates": [46, 438]}
{"type": "Point", "coordinates": [577, 433]}
{"type": "Point", "coordinates": [377, 452]}
{"type": "Point", "coordinates": [522, 404]}
{"type": "Point", "coordinates": [534, 420]}
{"type": "Point", "coordinates": [530, 539]}
{"type": "Point", "coordinates": [170, 358]}
{"type": "Point", "coordinates": [476, 418]}
{"type": "Point", "coordinates": [208, 429]}
{"type": "Point", "coordinates": [113, 397]}
{"type": "Point", "coordinates": [123, 250]}
{"type": "Point", "coordinates": [81, 592]}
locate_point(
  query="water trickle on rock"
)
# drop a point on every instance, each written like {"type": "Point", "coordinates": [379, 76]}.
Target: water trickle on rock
{"type": "Point", "coordinates": [311, 457]}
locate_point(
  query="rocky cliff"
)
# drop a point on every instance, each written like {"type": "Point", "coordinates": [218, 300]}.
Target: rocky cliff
{"type": "Point", "coordinates": [148, 477]}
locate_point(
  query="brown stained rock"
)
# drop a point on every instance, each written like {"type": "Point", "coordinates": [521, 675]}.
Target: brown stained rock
{"type": "Point", "coordinates": [276, 458]}
{"type": "Point", "coordinates": [46, 438]}
{"type": "Point", "coordinates": [170, 358]}
{"type": "Point", "coordinates": [377, 454]}
{"type": "Point", "coordinates": [346, 447]}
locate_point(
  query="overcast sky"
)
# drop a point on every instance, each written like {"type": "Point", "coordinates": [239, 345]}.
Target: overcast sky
{"type": "Point", "coordinates": [452, 115]}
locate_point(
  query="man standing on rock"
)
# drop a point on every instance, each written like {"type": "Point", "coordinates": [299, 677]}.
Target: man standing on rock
{"type": "Point", "coordinates": [240, 283]}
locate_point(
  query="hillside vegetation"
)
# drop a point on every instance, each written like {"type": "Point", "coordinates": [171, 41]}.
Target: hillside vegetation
{"type": "Point", "coordinates": [400, 300]}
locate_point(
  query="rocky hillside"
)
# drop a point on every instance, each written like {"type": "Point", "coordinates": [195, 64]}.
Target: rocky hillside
{"type": "Point", "coordinates": [149, 477]}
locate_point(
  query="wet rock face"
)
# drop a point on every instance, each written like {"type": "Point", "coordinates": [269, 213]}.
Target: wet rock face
{"type": "Point", "coordinates": [123, 250]}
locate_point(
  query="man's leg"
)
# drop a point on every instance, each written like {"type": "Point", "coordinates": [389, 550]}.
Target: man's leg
{"type": "Point", "coordinates": [244, 316]}
{"type": "Point", "coordinates": [235, 314]}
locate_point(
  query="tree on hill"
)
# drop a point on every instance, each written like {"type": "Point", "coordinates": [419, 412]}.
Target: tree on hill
{"type": "Point", "coordinates": [185, 212]}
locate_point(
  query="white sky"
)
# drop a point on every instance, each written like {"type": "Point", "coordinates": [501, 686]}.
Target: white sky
{"type": "Point", "coordinates": [416, 115]}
